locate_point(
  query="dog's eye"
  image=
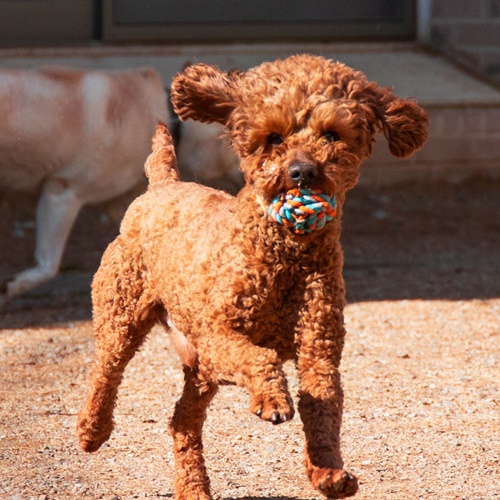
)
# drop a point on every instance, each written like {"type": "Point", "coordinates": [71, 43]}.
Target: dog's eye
{"type": "Point", "coordinates": [274, 139]}
{"type": "Point", "coordinates": [331, 136]}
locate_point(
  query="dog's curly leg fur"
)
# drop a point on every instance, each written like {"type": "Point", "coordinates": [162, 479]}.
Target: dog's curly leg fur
{"type": "Point", "coordinates": [120, 326]}
{"type": "Point", "coordinates": [191, 479]}
{"type": "Point", "coordinates": [251, 366]}
{"type": "Point", "coordinates": [321, 334]}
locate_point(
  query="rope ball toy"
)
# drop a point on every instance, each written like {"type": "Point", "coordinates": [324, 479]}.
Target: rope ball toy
{"type": "Point", "coordinates": [302, 210]}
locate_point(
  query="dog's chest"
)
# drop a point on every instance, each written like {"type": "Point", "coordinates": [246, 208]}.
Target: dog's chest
{"type": "Point", "coordinates": [269, 315]}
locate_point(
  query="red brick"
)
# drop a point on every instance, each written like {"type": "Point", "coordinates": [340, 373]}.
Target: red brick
{"type": "Point", "coordinates": [480, 34]}
{"type": "Point", "coordinates": [456, 8]}
{"type": "Point", "coordinates": [474, 119]}
{"type": "Point", "coordinates": [436, 122]}
{"type": "Point", "coordinates": [491, 65]}
{"type": "Point", "coordinates": [446, 122]}
{"type": "Point", "coordinates": [493, 119]}
{"type": "Point", "coordinates": [493, 8]}
{"type": "Point", "coordinates": [381, 153]}
{"type": "Point", "coordinates": [461, 149]}
{"type": "Point", "coordinates": [470, 56]}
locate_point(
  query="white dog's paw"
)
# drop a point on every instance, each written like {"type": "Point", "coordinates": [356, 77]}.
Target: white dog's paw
{"type": "Point", "coordinates": [26, 280]}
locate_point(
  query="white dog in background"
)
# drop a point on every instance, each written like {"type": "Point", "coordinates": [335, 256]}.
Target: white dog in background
{"type": "Point", "coordinates": [80, 136]}
{"type": "Point", "coordinates": [204, 155]}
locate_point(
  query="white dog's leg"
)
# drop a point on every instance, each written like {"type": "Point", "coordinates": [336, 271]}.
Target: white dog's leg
{"type": "Point", "coordinates": [55, 215]}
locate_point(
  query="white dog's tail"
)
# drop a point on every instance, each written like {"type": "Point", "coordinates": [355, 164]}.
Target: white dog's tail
{"type": "Point", "coordinates": [161, 165]}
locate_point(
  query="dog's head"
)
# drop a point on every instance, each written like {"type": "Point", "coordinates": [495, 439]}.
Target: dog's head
{"type": "Point", "coordinates": [303, 121]}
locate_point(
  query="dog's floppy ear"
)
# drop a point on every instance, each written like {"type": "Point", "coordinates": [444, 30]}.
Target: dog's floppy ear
{"type": "Point", "coordinates": [404, 123]}
{"type": "Point", "coordinates": [203, 93]}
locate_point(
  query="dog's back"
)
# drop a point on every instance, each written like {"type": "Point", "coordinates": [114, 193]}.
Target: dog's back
{"type": "Point", "coordinates": [176, 215]}
{"type": "Point", "coordinates": [92, 128]}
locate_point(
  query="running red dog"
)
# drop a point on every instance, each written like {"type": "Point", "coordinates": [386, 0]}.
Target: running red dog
{"type": "Point", "coordinates": [241, 292]}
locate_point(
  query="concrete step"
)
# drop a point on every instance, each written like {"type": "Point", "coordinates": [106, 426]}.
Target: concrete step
{"type": "Point", "coordinates": [464, 111]}
{"type": "Point", "coordinates": [464, 118]}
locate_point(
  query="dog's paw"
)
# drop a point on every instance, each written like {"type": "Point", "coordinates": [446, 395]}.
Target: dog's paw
{"type": "Point", "coordinates": [273, 409]}
{"type": "Point", "coordinates": [192, 495]}
{"type": "Point", "coordinates": [90, 438]}
{"type": "Point", "coordinates": [335, 483]}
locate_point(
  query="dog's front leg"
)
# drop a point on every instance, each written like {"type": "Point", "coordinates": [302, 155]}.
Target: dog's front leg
{"type": "Point", "coordinates": [56, 212]}
{"type": "Point", "coordinates": [232, 356]}
{"type": "Point", "coordinates": [320, 339]}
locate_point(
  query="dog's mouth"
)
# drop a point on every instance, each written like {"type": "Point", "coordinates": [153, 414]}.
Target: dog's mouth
{"type": "Point", "coordinates": [301, 210]}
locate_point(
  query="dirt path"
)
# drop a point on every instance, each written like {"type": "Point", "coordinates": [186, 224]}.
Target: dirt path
{"type": "Point", "coordinates": [420, 369]}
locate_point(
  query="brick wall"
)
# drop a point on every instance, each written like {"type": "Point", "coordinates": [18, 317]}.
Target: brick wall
{"type": "Point", "coordinates": [463, 141]}
{"type": "Point", "coordinates": [468, 31]}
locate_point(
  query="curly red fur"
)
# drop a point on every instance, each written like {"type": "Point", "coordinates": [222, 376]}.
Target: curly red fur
{"type": "Point", "coordinates": [198, 94]}
{"type": "Point", "coordinates": [161, 167]}
{"type": "Point", "coordinates": [244, 293]}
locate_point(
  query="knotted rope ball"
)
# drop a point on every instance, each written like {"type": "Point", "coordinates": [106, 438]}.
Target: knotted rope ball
{"type": "Point", "coordinates": [302, 210]}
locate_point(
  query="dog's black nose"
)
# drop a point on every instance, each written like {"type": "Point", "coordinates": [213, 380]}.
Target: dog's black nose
{"type": "Point", "coordinates": [302, 172]}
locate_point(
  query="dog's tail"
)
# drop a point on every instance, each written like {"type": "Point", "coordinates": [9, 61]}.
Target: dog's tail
{"type": "Point", "coordinates": [161, 165]}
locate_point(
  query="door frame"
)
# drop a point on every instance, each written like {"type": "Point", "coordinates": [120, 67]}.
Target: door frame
{"type": "Point", "coordinates": [117, 27]}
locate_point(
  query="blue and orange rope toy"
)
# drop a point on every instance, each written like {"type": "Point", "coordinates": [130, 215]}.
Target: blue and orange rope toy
{"type": "Point", "coordinates": [302, 210]}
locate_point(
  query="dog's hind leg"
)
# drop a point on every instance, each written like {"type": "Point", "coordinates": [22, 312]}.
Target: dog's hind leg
{"type": "Point", "coordinates": [123, 316]}
{"type": "Point", "coordinates": [191, 479]}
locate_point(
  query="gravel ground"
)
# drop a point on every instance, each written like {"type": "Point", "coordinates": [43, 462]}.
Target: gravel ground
{"type": "Point", "coordinates": [420, 368]}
